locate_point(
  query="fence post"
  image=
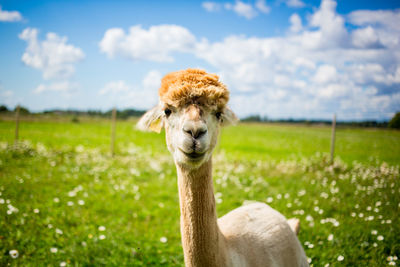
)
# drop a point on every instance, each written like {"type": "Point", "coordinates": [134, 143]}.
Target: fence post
{"type": "Point", "coordinates": [333, 137]}
{"type": "Point", "coordinates": [113, 122]}
{"type": "Point", "coordinates": [17, 124]}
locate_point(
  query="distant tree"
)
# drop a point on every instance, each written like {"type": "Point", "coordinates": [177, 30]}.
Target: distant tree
{"type": "Point", "coordinates": [22, 110]}
{"type": "Point", "coordinates": [75, 119]}
{"type": "Point", "coordinates": [395, 121]}
{"type": "Point", "coordinates": [252, 118]}
{"type": "Point", "coordinates": [3, 108]}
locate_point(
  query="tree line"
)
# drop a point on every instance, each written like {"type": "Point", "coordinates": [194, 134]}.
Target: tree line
{"type": "Point", "coordinates": [121, 114]}
{"type": "Point", "coordinates": [130, 112]}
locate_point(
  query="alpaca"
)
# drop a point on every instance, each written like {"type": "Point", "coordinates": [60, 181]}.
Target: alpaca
{"type": "Point", "coordinates": [192, 108]}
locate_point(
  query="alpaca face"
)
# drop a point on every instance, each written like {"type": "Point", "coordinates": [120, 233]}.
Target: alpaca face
{"type": "Point", "coordinates": [193, 106]}
{"type": "Point", "coordinates": [191, 130]}
{"type": "Point", "coordinates": [191, 133]}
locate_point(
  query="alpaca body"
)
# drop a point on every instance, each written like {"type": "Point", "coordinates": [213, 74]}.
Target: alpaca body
{"type": "Point", "coordinates": [258, 235]}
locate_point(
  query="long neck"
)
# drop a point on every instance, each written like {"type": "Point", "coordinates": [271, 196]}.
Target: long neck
{"type": "Point", "coordinates": [202, 242]}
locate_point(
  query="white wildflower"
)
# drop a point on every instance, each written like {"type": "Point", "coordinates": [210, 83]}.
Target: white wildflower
{"type": "Point", "coordinates": [163, 239]}
{"type": "Point", "coordinates": [340, 258]}
{"type": "Point", "coordinates": [53, 250]}
{"type": "Point", "coordinates": [14, 253]}
{"type": "Point", "coordinates": [102, 228]}
{"type": "Point", "coordinates": [71, 193]}
{"type": "Point", "coordinates": [301, 193]}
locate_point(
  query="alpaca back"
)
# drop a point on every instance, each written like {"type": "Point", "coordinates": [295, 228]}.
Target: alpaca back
{"type": "Point", "coordinates": [257, 235]}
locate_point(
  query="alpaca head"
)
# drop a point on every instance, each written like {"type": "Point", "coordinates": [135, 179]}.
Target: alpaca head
{"type": "Point", "coordinates": [192, 108]}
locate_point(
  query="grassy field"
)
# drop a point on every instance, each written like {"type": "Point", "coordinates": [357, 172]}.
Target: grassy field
{"type": "Point", "coordinates": [64, 201]}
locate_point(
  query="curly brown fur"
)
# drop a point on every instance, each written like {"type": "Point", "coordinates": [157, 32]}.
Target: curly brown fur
{"type": "Point", "coordinates": [183, 87]}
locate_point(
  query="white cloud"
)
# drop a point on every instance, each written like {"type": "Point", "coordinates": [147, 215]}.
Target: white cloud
{"type": "Point", "coordinates": [242, 9]}
{"type": "Point", "coordinates": [211, 6]}
{"type": "Point", "coordinates": [365, 38]}
{"type": "Point", "coordinates": [155, 44]}
{"type": "Point", "coordinates": [318, 68]}
{"type": "Point", "coordinates": [325, 74]}
{"type": "Point", "coordinates": [152, 80]}
{"type": "Point", "coordinates": [262, 6]}
{"type": "Point", "coordinates": [295, 23]}
{"type": "Point", "coordinates": [295, 3]}
{"type": "Point", "coordinates": [6, 93]}
{"type": "Point", "coordinates": [7, 97]}
{"type": "Point", "coordinates": [332, 31]}
{"type": "Point", "coordinates": [140, 96]}
{"type": "Point", "coordinates": [53, 56]}
{"type": "Point", "coordinates": [386, 18]}
{"type": "Point", "coordinates": [304, 62]}
{"type": "Point", "coordinates": [10, 16]}
{"type": "Point", "coordinates": [65, 87]}
{"type": "Point", "coordinates": [114, 87]}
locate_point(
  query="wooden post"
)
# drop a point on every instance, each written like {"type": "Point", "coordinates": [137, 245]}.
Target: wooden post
{"type": "Point", "coordinates": [113, 122]}
{"type": "Point", "coordinates": [333, 137]}
{"type": "Point", "coordinates": [16, 124]}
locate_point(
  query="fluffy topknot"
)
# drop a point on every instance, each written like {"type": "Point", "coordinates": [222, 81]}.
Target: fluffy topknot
{"type": "Point", "coordinates": [182, 87]}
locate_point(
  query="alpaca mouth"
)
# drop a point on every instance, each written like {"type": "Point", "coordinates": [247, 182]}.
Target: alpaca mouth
{"type": "Point", "coordinates": [193, 155]}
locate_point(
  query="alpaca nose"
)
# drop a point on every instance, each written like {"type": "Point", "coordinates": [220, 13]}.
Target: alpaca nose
{"type": "Point", "coordinates": [195, 130]}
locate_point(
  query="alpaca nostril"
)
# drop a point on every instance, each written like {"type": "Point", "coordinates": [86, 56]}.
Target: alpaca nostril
{"type": "Point", "coordinates": [187, 131]}
{"type": "Point", "coordinates": [199, 133]}
{"type": "Point", "coordinates": [195, 133]}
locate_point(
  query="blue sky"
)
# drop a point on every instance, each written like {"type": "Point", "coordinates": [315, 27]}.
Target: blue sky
{"type": "Point", "coordinates": [281, 59]}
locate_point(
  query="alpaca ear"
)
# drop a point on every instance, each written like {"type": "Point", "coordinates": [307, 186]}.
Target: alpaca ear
{"type": "Point", "coordinates": [152, 120]}
{"type": "Point", "coordinates": [228, 117]}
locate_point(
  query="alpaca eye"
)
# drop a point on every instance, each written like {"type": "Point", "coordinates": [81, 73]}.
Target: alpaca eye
{"type": "Point", "coordinates": [167, 112]}
{"type": "Point", "coordinates": [218, 115]}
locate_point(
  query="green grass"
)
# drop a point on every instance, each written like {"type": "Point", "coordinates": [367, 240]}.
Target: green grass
{"type": "Point", "coordinates": [65, 185]}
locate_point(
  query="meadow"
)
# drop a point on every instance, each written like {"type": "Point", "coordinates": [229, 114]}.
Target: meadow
{"type": "Point", "coordinates": [65, 201]}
